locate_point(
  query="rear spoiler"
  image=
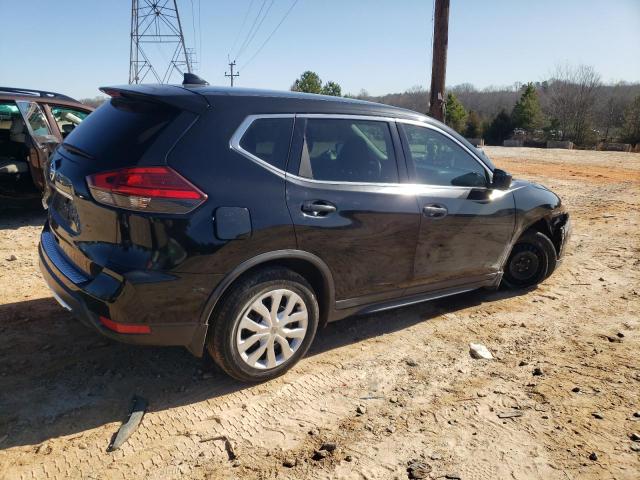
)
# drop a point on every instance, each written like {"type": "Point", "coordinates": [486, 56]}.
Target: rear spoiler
{"type": "Point", "coordinates": [171, 95]}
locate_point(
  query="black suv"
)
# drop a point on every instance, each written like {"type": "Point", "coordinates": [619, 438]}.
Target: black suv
{"type": "Point", "coordinates": [242, 220]}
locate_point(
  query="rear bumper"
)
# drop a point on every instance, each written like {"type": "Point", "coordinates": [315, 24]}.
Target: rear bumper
{"type": "Point", "coordinates": [83, 301]}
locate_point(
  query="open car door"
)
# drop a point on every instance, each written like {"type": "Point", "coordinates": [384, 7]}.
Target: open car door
{"type": "Point", "coordinates": [42, 140]}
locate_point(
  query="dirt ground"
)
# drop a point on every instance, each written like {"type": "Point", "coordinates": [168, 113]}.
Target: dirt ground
{"type": "Point", "coordinates": [389, 390]}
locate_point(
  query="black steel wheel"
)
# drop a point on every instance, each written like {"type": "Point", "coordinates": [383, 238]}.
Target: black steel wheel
{"type": "Point", "coordinates": [532, 258]}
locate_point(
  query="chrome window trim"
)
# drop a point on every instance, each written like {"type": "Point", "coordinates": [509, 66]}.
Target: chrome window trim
{"type": "Point", "coordinates": [234, 144]}
{"type": "Point", "coordinates": [346, 116]}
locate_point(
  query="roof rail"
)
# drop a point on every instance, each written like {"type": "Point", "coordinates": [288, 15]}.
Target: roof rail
{"type": "Point", "coordinates": [36, 93]}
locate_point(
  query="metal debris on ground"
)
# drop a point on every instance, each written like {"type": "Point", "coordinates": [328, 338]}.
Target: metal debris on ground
{"type": "Point", "coordinates": [138, 408]}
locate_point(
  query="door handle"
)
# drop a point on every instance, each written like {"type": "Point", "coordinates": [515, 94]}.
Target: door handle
{"type": "Point", "coordinates": [318, 208]}
{"type": "Point", "coordinates": [435, 211]}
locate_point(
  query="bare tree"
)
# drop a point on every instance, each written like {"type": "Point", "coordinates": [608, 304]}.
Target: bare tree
{"type": "Point", "coordinates": [95, 101]}
{"type": "Point", "coordinates": [560, 99]}
{"type": "Point", "coordinates": [610, 109]}
{"type": "Point", "coordinates": [573, 93]}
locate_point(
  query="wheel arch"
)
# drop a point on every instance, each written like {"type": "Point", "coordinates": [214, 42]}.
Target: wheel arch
{"type": "Point", "coordinates": [549, 226]}
{"type": "Point", "coordinates": [540, 225]}
{"type": "Point", "coordinates": [311, 267]}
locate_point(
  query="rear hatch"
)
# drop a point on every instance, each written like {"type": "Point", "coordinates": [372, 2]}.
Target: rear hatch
{"type": "Point", "coordinates": [136, 127]}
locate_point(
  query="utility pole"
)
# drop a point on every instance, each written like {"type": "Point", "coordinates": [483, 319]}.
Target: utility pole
{"type": "Point", "coordinates": [157, 22]}
{"type": "Point", "coordinates": [232, 75]}
{"type": "Point", "coordinates": [439, 62]}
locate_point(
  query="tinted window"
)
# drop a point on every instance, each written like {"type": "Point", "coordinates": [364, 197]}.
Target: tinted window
{"type": "Point", "coordinates": [121, 129]}
{"type": "Point", "coordinates": [268, 139]}
{"type": "Point", "coordinates": [438, 160]}
{"type": "Point", "coordinates": [348, 151]}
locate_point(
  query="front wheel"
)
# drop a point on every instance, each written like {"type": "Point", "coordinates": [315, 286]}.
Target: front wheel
{"type": "Point", "coordinates": [265, 324]}
{"type": "Point", "coordinates": [532, 259]}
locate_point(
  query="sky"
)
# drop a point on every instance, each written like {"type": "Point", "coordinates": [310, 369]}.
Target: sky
{"type": "Point", "coordinates": [382, 46]}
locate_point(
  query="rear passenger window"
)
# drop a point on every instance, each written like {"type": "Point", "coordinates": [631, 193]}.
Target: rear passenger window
{"type": "Point", "coordinates": [346, 150]}
{"type": "Point", "coordinates": [268, 139]}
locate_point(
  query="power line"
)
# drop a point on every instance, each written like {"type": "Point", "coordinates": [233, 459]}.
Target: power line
{"type": "Point", "coordinates": [244, 22]}
{"type": "Point", "coordinates": [255, 21]}
{"type": "Point", "coordinates": [193, 21]}
{"type": "Point", "coordinates": [200, 28]}
{"type": "Point", "coordinates": [271, 34]}
{"type": "Point", "coordinates": [193, 24]}
{"type": "Point", "coordinates": [266, 13]}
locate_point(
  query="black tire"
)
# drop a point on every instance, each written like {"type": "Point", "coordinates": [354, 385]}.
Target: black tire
{"type": "Point", "coordinates": [532, 259]}
{"type": "Point", "coordinates": [221, 342]}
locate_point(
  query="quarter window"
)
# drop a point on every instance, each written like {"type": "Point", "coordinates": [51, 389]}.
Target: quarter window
{"type": "Point", "coordinates": [438, 160]}
{"type": "Point", "coordinates": [268, 139]}
{"type": "Point", "coordinates": [346, 150]}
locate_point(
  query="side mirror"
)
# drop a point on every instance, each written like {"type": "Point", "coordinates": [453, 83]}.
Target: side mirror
{"type": "Point", "coordinates": [501, 180]}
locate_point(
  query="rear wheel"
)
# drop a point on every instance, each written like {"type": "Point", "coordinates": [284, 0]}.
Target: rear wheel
{"type": "Point", "coordinates": [264, 325]}
{"type": "Point", "coordinates": [532, 259]}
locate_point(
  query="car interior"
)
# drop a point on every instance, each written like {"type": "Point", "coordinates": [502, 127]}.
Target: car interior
{"type": "Point", "coordinates": [13, 147]}
{"type": "Point", "coordinates": [67, 118]}
{"type": "Point", "coordinates": [344, 150]}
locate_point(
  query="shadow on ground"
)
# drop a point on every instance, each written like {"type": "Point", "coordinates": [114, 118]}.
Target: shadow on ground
{"type": "Point", "coordinates": [19, 213]}
{"type": "Point", "coordinates": [58, 377]}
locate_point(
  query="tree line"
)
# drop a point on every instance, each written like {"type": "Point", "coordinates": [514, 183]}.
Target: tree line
{"type": "Point", "coordinates": [573, 104]}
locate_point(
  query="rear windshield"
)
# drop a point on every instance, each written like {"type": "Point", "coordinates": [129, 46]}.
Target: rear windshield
{"type": "Point", "coordinates": [120, 129]}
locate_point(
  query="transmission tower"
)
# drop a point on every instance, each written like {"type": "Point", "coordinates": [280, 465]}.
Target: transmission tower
{"type": "Point", "coordinates": [157, 39]}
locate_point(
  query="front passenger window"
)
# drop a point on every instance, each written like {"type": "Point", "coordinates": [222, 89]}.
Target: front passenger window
{"type": "Point", "coordinates": [438, 160]}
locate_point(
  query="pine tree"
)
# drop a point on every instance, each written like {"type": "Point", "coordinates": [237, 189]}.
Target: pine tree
{"type": "Point", "coordinates": [455, 114]}
{"type": "Point", "coordinates": [527, 113]}
{"type": "Point", "coordinates": [473, 127]}
{"type": "Point", "coordinates": [499, 129]}
{"type": "Point", "coordinates": [332, 88]}
{"type": "Point", "coordinates": [308, 82]}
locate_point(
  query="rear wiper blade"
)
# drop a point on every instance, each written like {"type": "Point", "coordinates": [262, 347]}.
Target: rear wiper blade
{"type": "Point", "coordinates": [77, 151]}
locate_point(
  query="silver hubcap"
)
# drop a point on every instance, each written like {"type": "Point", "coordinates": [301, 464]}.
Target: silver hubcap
{"type": "Point", "coordinates": [272, 328]}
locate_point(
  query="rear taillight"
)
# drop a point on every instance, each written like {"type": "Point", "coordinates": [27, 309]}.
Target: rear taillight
{"type": "Point", "coordinates": [146, 189]}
